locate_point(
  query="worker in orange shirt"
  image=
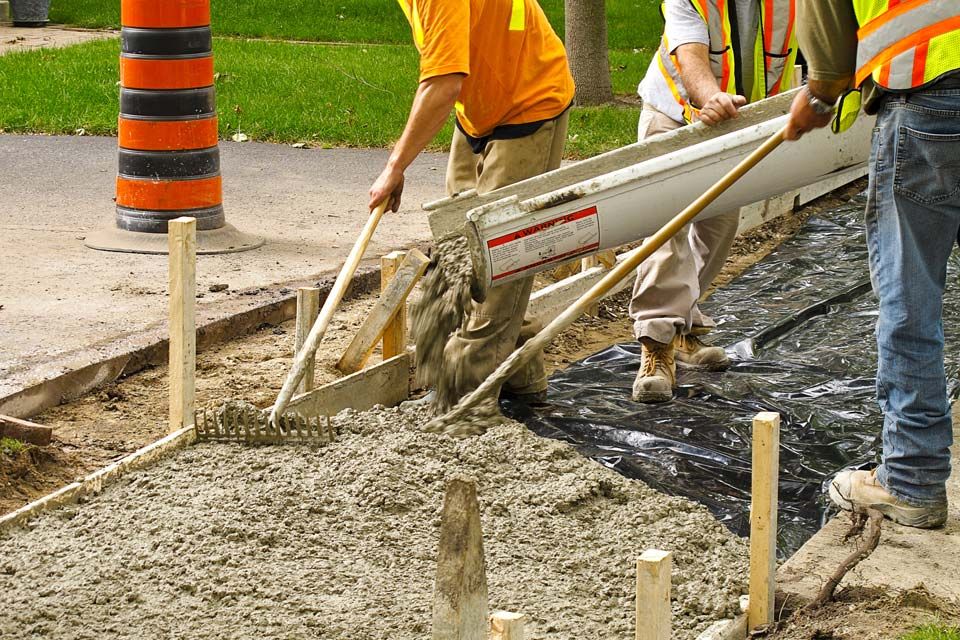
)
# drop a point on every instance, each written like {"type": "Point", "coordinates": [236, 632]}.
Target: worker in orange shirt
{"type": "Point", "coordinates": [500, 65]}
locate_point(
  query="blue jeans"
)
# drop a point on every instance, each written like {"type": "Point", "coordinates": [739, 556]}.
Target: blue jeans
{"type": "Point", "coordinates": [913, 220]}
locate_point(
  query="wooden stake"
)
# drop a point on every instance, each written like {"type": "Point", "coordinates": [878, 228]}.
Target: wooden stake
{"type": "Point", "coordinates": [797, 75]}
{"type": "Point", "coordinates": [308, 307]}
{"type": "Point", "coordinates": [460, 592]}
{"type": "Point", "coordinates": [653, 595]}
{"type": "Point", "coordinates": [395, 335]}
{"type": "Point", "coordinates": [25, 431]}
{"type": "Point", "coordinates": [589, 263]}
{"type": "Point", "coordinates": [182, 238]}
{"type": "Point", "coordinates": [507, 626]}
{"type": "Point", "coordinates": [763, 518]}
{"type": "Point", "coordinates": [391, 303]}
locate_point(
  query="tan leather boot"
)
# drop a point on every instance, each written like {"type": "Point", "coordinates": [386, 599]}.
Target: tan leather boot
{"type": "Point", "coordinates": [853, 490]}
{"type": "Point", "coordinates": [658, 372]}
{"type": "Point", "coordinates": [692, 353]}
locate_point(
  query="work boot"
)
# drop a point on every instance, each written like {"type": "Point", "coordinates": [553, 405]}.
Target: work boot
{"type": "Point", "coordinates": [692, 353]}
{"type": "Point", "coordinates": [857, 490]}
{"type": "Point", "coordinates": [658, 372]}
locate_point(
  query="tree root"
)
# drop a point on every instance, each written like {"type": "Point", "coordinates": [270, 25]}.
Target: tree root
{"type": "Point", "coordinates": [870, 521]}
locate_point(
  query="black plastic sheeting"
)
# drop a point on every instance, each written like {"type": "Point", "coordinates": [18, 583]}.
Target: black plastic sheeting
{"type": "Point", "coordinates": [799, 326]}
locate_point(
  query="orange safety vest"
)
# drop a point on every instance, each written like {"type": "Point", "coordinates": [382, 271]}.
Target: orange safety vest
{"type": "Point", "coordinates": [905, 44]}
{"type": "Point", "coordinates": [774, 55]}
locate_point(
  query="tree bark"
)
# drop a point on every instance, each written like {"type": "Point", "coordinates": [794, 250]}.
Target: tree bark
{"type": "Point", "coordinates": [585, 24]}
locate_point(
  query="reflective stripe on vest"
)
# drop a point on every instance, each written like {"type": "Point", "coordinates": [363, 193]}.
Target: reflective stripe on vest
{"type": "Point", "coordinates": [518, 15]}
{"type": "Point", "coordinates": [906, 45]}
{"type": "Point", "coordinates": [779, 46]}
{"type": "Point", "coordinates": [518, 18]}
{"type": "Point", "coordinates": [773, 58]}
{"type": "Point", "coordinates": [669, 67]}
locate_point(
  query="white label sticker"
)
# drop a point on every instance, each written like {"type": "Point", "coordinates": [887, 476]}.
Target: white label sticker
{"type": "Point", "coordinates": [515, 254]}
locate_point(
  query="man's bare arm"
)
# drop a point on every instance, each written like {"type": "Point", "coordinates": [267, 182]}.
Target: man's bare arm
{"type": "Point", "coordinates": [432, 104]}
{"type": "Point", "coordinates": [702, 86]}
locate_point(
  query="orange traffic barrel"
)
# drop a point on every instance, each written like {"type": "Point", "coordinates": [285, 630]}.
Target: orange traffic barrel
{"type": "Point", "coordinates": [169, 158]}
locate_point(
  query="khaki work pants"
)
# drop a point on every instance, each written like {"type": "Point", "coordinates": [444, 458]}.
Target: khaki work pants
{"type": "Point", "coordinates": [498, 326]}
{"type": "Point", "coordinates": [670, 282]}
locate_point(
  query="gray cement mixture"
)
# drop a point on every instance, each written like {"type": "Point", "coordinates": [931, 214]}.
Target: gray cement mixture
{"type": "Point", "coordinates": [340, 542]}
{"type": "Point", "coordinates": [444, 306]}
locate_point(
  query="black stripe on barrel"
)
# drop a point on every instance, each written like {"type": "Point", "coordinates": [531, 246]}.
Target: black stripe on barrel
{"type": "Point", "coordinates": [170, 164]}
{"type": "Point", "coordinates": [170, 104]}
{"type": "Point", "coordinates": [156, 221]}
{"type": "Point", "coordinates": [166, 42]}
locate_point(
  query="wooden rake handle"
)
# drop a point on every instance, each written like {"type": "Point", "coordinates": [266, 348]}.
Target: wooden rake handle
{"type": "Point", "coordinates": [618, 273]}
{"type": "Point", "coordinates": [330, 305]}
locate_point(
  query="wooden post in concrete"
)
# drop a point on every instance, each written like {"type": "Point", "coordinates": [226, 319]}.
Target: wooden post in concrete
{"type": "Point", "coordinates": [763, 518]}
{"type": "Point", "coordinates": [395, 335]}
{"type": "Point", "coordinates": [383, 317]}
{"type": "Point", "coordinates": [182, 239]}
{"type": "Point", "coordinates": [654, 616]}
{"type": "Point", "coordinates": [308, 307]}
{"type": "Point", "coordinates": [460, 591]}
{"type": "Point", "coordinates": [507, 626]}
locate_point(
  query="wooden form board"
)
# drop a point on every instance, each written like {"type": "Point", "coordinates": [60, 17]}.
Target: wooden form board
{"type": "Point", "coordinates": [95, 482]}
{"type": "Point", "coordinates": [386, 383]}
{"type": "Point", "coordinates": [395, 334]}
{"type": "Point", "coordinates": [763, 518]}
{"type": "Point", "coordinates": [25, 431]}
{"type": "Point", "coordinates": [182, 236]}
{"type": "Point", "coordinates": [308, 308]}
{"type": "Point", "coordinates": [411, 269]}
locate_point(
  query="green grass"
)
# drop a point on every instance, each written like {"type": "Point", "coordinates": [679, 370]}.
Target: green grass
{"type": "Point", "coordinates": [933, 632]}
{"type": "Point", "coordinates": [10, 446]}
{"type": "Point", "coordinates": [328, 95]}
{"type": "Point", "coordinates": [631, 23]}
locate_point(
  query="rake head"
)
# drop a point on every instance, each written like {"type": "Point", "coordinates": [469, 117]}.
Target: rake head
{"type": "Point", "coordinates": [244, 423]}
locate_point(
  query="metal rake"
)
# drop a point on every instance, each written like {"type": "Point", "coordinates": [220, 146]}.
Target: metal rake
{"type": "Point", "coordinates": [249, 425]}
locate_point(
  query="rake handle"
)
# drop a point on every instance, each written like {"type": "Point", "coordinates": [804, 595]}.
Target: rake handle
{"type": "Point", "coordinates": [618, 273]}
{"type": "Point", "coordinates": [339, 290]}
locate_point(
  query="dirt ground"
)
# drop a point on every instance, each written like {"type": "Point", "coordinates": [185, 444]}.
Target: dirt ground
{"type": "Point", "coordinates": [115, 421]}
{"type": "Point", "coordinates": [865, 614]}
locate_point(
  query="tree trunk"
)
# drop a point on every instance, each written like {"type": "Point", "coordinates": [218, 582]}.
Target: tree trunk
{"type": "Point", "coordinates": [586, 34]}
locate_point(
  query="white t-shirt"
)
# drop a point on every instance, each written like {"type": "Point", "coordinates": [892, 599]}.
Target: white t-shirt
{"type": "Point", "coordinates": [684, 26]}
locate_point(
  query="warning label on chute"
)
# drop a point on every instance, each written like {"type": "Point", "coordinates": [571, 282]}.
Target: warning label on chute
{"type": "Point", "coordinates": [555, 240]}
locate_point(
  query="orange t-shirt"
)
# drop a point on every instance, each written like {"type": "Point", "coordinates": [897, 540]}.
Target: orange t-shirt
{"type": "Point", "coordinates": [515, 64]}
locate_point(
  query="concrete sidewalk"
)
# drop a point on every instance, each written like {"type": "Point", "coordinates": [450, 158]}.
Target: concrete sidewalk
{"type": "Point", "coordinates": [25, 39]}
{"type": "Point", "coordinates": [59, 298]}
{"type": "Point", "coordinates": [905, 559]}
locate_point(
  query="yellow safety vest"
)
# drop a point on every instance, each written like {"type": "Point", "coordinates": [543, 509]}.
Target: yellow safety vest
{"type": "Point", "coordinates": [906, 44]}
{"type": "Point", "coordinates": [775, 51]}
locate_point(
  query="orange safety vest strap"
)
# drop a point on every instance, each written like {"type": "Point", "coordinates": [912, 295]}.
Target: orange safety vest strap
{"type": "Point", "coordinates": [778, 29]}
{"type": "Point", "coordinates": [903, 31]}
